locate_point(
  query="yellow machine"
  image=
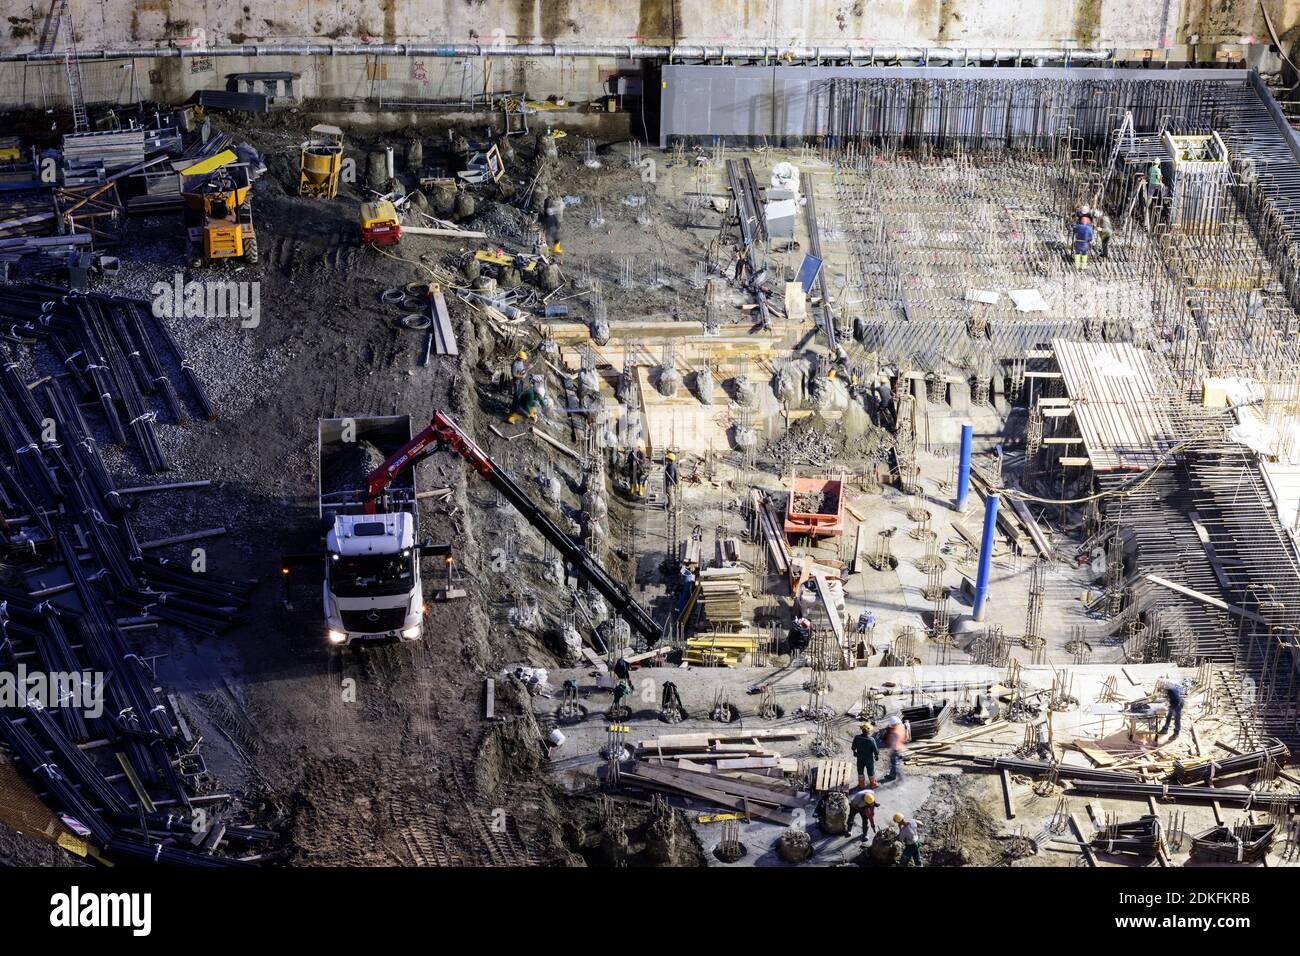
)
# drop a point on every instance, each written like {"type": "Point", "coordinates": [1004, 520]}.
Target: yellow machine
{"type": "Point", "coordinates": [219, 213]}
{"type": "Point", "coordinates": [320, 162]}
{"type": "Point", "coordinates": [380, 225]}
{"type": "Point", "coordinates": [522, 262]}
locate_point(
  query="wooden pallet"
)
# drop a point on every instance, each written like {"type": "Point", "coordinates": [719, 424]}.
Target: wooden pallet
{"type": "Point", "coordinates": [831, 774]}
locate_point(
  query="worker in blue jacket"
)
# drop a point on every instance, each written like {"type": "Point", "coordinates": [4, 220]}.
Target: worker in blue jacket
{"type": "Point", "coordinates": [1083, 236]}
{"type": "Point", "coordinates": [1177, 697]}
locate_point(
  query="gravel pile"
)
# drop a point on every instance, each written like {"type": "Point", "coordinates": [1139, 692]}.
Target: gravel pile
{"type": "Point", "coordinates": [503, 222]}
{"type": "Point", "coordinates": [810, 442]}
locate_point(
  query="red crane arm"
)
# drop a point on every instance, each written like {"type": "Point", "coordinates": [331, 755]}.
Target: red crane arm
{"type": "Point", "coordinates": [441, 431]}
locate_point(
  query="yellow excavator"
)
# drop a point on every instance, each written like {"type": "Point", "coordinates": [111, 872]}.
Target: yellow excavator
{"type": "Point", "coordinates": [219, 211]}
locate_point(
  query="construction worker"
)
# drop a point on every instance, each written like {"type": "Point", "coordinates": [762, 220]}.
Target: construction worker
{"type": "Point", "coordinates": [622, 691]}
{"type": "Point", "coordinates": [685, 585]}
{"type": "Point", "coordinates": [911, 840]}
{"type": "Point", "coordinates": [636, 472]}
{"type": "Point", "coordinates": [862, 803]}
{"type": "Point", "coordinates": [895, 738]}
{"type": "Point", "coordinates": [1083, 236]}
{"type": "Point", "coordinates": [866, 750]}
{"type": "Point", "coordinates": [800, 634]}
{"type": "Point", "coordinates": [740, 264]}
{"type": "Point", "coordinates": [885, 417]}
{"type": "Point", "coordinates": [839, 363]}
{"type": "Point", "coordinates": [1155, 180]}
{"type": "Point", "coordinates": [1176, 696]}
{"type": "Point", "coordinates": [525, 406]}
{"type": "Point", "coordinates": [866, 621]}
{"type": "Point", "coordinates": [622, 670]}
{"type": "Point", "coordinates": [671, 478]}
{"type": "Point", "coordinates": [1105, 229]}
{"type": "Point", "coordinates": [519, 373]}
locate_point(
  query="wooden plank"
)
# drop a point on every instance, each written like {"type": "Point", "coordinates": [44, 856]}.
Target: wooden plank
{"type": "Point", "coordinates": [490, 698]}
{"type": "Point", "coordinates": [819, 574]}
{"type": "Point", "coordinates": [705, 738]}
{"type": "Point", "coordinates": [738, 788]}
{"type": "Point", "coordinates": [860, 545]}
{"type": "Point", "coordinates": [1098, 756]}
{"type": "Point", "coordinates": [1205, 598]}
{"type": "Point", "coordinates": [444, 334]}
{"type": "Point", "coordinates": [1083, 841]}
{"type": "Point", "coordinates": [553, 442]}
{"type": "Point", "coordinates": [712, 795]}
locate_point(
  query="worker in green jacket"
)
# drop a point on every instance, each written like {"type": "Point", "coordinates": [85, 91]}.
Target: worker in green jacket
{"type": "Point", "coordinates": [866, 750]}
{"type": "Point", "coordinates": [525, 406]}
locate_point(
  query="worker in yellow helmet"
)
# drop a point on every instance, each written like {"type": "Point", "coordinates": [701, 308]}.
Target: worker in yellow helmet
{"type": "Point", "coordinates": [911, 840]}
{"type": "Point", "coordinates": [671, 479]}
{"type": "Point", "coordinates": [519, 374]}
{"type": "Point", "coordinates": [866, 750]}
{"type": "Point", "coordinates": [862, 803]}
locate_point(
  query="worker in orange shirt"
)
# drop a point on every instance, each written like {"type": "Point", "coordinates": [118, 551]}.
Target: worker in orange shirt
{"type": "Point", "coordinates": [895, 733]}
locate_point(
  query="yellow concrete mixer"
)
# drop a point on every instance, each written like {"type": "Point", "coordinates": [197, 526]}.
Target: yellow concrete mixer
{"type": "Point", "coordinates": [320, 162]}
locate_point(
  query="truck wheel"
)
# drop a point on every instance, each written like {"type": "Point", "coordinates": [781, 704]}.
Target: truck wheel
{"type": "Point", "coordinates": [250, 251]}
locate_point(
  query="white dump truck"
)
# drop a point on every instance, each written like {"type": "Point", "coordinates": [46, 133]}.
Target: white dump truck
{"type": "Point", "coordinates": [372, 588]}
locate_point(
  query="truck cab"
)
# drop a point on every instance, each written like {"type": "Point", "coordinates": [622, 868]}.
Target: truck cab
{"type": "Point", "coordinates": [372, 580]}
{"type": "Point", "coordinates": [372, 586]}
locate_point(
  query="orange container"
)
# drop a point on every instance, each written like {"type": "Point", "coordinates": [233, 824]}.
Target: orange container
{"type": "Point", "coordinates": [819, 524]}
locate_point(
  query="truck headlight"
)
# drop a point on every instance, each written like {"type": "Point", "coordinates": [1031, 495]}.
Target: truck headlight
{"type": "Point", "coordinates": [337, 637]}
{"type": "Point", "coordinates": [411, 633]}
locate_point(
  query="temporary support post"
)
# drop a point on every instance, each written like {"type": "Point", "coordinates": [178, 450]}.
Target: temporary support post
{"type": "Point", "coordinates": [986, 556]}
{"type": "Point", "coordinates": [963, 467]}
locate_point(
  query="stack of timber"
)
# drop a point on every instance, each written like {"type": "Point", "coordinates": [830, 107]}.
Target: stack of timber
{"type": "Point", "coordinates": [721, 591]}
{"type": "Point", "coordinates": [719, 650]}
{"type": "Point", "coordinates": [773, 530]}
{"type": "Point", "coordinates": [734, 771]}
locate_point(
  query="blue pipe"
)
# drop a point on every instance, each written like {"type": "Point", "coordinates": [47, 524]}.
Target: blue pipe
{"type": "Point", "coordinates": [963, 468]}
{"type": "Point", "coordinates": [986, 556]}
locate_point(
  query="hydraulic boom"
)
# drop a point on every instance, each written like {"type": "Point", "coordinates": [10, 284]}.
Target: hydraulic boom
{"type": "Point", "coordinates": [445, 433]}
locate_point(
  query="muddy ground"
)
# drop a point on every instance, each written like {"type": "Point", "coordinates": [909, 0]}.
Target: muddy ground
{"type": "Point", "coordinates": [377, 755]}
{"type": "Point", "coordinates": [381, 755]}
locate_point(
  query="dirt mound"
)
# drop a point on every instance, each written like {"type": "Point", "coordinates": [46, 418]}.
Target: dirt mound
{"type": "Point", "coordinates": [957, 831]}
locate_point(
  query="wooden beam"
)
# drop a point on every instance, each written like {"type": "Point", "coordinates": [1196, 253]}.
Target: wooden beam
{"type": "Point", "coordinates": [1206, 599]}
{"type": "Point", "coordinates": [1083, 841]}
{"type": "Point", "coordinates": [1007, 802]}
